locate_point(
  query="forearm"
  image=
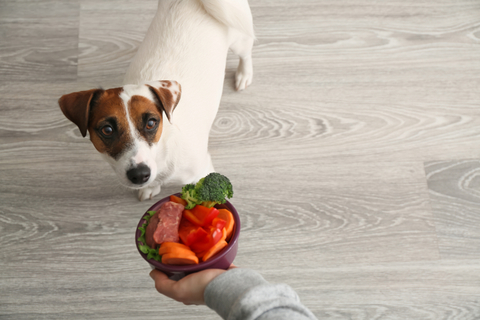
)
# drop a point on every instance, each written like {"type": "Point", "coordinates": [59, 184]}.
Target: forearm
{"type": "Point", "coordinates": [244, 294]}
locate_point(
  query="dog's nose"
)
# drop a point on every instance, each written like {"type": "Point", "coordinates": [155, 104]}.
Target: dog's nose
{"type": "Point", "coordinates": [139, 174]}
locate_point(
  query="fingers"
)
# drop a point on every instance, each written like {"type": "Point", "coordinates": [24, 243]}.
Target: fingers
{"type": "Point", "coordinates": [162, 283]}
{"type": "Point", "coordinates": [188, 290]}
{"type": "Point", "coordinates": [157, 275]}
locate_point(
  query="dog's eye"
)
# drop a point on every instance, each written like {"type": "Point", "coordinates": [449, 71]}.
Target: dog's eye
{"type": "Point", "coordinates": [151, 123]}
{"type": "Point", "coordinates": [107, 131]}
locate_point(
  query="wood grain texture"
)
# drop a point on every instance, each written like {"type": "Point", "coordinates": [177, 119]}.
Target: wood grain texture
{"type": "Point", "coordinates": [455, 191]}
{"type": "Point", "coordinates": [354, 158]}
{"type": "Point", "coordinates": [39, 40]}
{"type": "Point", "coordinates": [110, 33]}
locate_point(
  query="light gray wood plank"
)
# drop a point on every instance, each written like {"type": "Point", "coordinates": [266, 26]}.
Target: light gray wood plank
{"type": "Point", "coordinates": [39, 40]}
{"type": "Point", "coordinates": [323, 214]}
{"type": "Point", "coordinates": [355, 75]}
{"type": "Point", "coordinates": [430, 290]}
{"type": "Point", "coordinates": [30, 112]}
{"type": "Point", "coordinates": [345, 153]}
{"type": "Point", "coordinates": [110, 33]}
{"type": "Point", "coordinates": [335, 131]}
{"type": "Point", "coordinates": [455, 196]}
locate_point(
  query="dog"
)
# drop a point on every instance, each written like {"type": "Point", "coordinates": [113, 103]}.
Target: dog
{"type": "Point", "coordinates": [178, 72]}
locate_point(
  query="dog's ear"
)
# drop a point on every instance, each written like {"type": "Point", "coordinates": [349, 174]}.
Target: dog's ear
{"type": "Point", "coordinates": [167, 94]}
{"type": "Point", "coordinates": [76, 107]}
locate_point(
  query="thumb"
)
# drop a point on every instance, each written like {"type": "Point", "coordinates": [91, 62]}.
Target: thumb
{"type": "Point", "coordinates": [157, 275]}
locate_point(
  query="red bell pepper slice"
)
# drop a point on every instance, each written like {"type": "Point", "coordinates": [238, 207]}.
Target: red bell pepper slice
{"type": "Point", "coordinates": [214, 235]}
{"type": "Point", "coordinates": [202, 245]}
{"type": "Point", "coordinates": [188, 214]}
{"type": "Point", "coordinates": [219, 223]}
{"type": "Point", "coordinates": [198, 235]}
{"type": "Point", "coordinates": [185, 228]}
{"type": "Point", "coordinates": [190, 233]}
{"type": "Point", "coordinates": [200, 215]}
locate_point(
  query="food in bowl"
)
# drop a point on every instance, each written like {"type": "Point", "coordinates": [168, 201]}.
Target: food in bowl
{"type": "Point", "coordinates": [193, 227]}
{"type": "Point", "coordinates": [163, 225]}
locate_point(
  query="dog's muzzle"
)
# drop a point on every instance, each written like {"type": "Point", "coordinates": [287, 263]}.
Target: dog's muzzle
{"type": "Point", "coordinates": [139, 175]}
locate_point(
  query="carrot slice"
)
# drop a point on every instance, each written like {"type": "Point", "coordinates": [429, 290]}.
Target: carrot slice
{"type": "Point", "coordinates": [174, 244]}
{"type": "Point", "coordinates": [226, 215]}
{"type": "Point", "coordinates": [176, 199]}
{"type": "Point", "coordinates": [224, 234]}
{"type": "Point", "coordinates": [172, 258]}
{"type": "Point", "coordinates": [176, 250]}
{"type": "Point", "coordinates": [177, 253]}
{"type": "Point", "coordinates": [213, 250]}
{"type": "Point", "coordinates": [169, 245]}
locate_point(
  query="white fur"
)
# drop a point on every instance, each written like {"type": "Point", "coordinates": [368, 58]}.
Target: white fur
{"type": "Point", "coordinates": [188, 42]}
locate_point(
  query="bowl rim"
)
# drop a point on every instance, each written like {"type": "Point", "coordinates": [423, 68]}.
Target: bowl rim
{"type": "Point", "coordinates": [195, 267]}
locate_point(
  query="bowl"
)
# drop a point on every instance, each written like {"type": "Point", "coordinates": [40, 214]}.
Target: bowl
{"type": "Point", "coordinates": [222, 260]}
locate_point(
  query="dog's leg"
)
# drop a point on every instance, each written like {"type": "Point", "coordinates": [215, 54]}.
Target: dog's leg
{"type": "Point", "coordinates": [201, 171]}
{"type": "Point", "coordinates": [243, 48]}
{"type": "Point", "coordinates": [210, 167]}
{"type": "Point", "coordinates": [149, 192]}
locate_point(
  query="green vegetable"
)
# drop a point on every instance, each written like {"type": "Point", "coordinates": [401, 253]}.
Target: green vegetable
{"type": "Point", "coordinates": [151, 253]}
{"type": "Point", "coordinates": [190, 195]}
{"type": "Point", "coordinates": [208, 191]}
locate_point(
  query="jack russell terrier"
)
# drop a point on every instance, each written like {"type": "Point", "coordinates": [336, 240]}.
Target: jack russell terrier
{"type": "Point", "coordinates": [180, 66]}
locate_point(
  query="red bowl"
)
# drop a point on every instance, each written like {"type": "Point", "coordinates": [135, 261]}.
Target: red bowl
{"type": "Point", "coordinates": [221, 260]}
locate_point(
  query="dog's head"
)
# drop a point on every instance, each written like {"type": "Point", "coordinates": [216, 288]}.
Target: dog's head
{"type": "Point", "coordinates": [125, 125]}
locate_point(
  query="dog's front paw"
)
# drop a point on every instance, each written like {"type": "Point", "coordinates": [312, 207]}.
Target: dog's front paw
{"type": "Point", "coordinates": [244, 74]}
{"type": "Point", "coordinates": [148, 192]}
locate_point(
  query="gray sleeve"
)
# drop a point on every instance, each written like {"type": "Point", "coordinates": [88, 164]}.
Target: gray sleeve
{"type": "Point", "coordinates": [243, 294]}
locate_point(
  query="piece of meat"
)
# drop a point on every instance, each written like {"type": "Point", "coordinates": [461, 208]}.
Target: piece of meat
{"type": "Point", "coordinates": [163, 225]}
{"type": "Point", "coordinates": [150, 230]}
{"type": "Point", "coordinates": [167, 228]}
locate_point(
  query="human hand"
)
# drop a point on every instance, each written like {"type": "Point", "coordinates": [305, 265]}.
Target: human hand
{"type": "Point", "coordinates": [189, 289]}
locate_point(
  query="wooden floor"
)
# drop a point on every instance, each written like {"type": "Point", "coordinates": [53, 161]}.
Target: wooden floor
{"type": "Point", "coordinates": [355, 159]}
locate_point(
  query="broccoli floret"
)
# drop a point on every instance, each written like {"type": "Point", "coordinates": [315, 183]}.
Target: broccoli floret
{"type": "Point", "coordinates": [189, 195]}
{"type": "Point", "coordinates": [208, 191]}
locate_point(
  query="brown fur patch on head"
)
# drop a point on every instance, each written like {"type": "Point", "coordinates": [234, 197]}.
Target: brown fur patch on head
{"type": "Point", "coordinates": [76, 107]}
{"type": "Point", "coordinates": [167, 93]}
{"type": "Point", "coordinates": [109, 111]}
{"type": "Point", "coordinates": [143, 112]}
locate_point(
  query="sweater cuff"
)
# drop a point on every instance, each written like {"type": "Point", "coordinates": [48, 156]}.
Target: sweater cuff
{"type": "Point", "coordinates": [230, 286]}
